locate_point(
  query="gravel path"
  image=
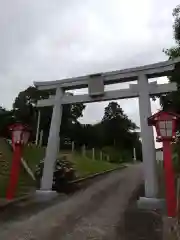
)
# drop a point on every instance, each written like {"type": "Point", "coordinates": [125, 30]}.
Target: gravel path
{"type": "Point", "coordinates": [93, 213]}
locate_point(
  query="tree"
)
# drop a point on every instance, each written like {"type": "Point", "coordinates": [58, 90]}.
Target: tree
{"type": "Point", "coordinates": [6, 119]}
{"type": "Point", "coordinates": [24, 106]}
{"type": "Point", "coordinates": [25, 110]}
{"type": "Point", "coordinates": [171, 101]}
{"type": "Point", "coordinates": [176, 26]}
{"type": "Point", "coordinates": [114, 112]}
{"type": "Point", "coordinates": [116, 124]}
{"type": "Point", "coordinates": [71, 113]}
{"type": "Point", "coordinates": [118, 129]}
{"type": "Point", "coordinates": [115, 130]}
{"type": "Point", "coordinates": [119, 132]}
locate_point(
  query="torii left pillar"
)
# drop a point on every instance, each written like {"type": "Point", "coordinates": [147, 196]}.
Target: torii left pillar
{"type": "Point", "coordinates": [53, 142]}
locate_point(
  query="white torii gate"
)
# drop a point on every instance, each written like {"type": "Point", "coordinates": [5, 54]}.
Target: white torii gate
{"type": "Point", "coordinates": [95, 84]}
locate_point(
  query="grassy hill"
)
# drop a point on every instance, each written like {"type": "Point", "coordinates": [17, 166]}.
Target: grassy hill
{"type": "Point", "coordinates": [25, 181]}
{"type": "Point", "coordinates": [84, 166]}
{"type": "Point", "coordinates": [5, 164]}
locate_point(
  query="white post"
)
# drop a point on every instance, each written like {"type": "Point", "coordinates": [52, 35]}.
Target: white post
{"type": "Point", "coordinates": [134, 154]}
{"type": "Point", "coordinates": [84, 150]}
{"type": "Point", "coordinates": [72, 146]}
{"type": "Point", "coordinates": [101, 156]}
{"type": "Point", "coordinates": [53, 142]}
{"type": "Point", "coordinates": [41, 138]}
{"type": "Point", "coordinates": [148, 148]}
{"type": "Point", "coordinates": [93, 153]}
{"type": "Point", "coordinates": [38, 125]}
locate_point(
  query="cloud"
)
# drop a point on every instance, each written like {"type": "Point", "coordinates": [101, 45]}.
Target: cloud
{"type": "Point", "coordinates": [54, 39]}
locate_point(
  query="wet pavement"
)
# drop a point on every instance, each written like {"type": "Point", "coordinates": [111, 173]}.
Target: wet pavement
{"type": "Point", "coordinates": [141, 224]}
{"type": "Point", "coordinates": [101, 211]}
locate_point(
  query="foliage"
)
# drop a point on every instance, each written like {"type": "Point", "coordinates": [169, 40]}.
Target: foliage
{"type": "Point", "coordinates": [6, 119]}
{"type": "Point", "coordinates": [176, 156]}
{"type": "Point", "coordinates": [176, 26]}
{"type": "Point", "coordinates": [114, 112]}
{"type": "Point", "coordinates": [176, 163]}
{"type": "Point", "coordinates": [63, 174]}
{"type": "Point", "coordinates": [24, 108]}
{"type": "Point", "coordinates": [120, 131]}
{"type": "Point", "coordinates": [115, 129]}
{"type": "Point", "coordinates": [117, 125]}
{"type": "Point", "coordinates": [171, 101]}
{"type": "Point", "coordinates": [118, 156]}
{"type": "Point", "coordinates": [114, 154]}
{"type": "Point", "coordinates": [24, 105]}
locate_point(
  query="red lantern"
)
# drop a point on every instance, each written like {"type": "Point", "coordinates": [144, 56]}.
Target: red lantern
{"type": "Point", "coordinates": [20, 136]}
{"type": "Point", "coordinates": [166, 124]}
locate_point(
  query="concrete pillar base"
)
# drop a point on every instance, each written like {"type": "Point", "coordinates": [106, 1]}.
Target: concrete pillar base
{"type": "Point", "coordinates": [151, 203]}
{"type": "Point", "coordinates": [170, 228]}
{"type": "Point", "coordinates": [45, 195]}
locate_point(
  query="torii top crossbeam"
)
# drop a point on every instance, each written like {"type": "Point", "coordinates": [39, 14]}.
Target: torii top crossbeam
{"type": "Point", "coordinates": [130, 74]}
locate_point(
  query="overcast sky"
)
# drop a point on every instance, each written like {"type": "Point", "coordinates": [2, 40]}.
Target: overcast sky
{"type": "Point", "coordinates": [55, 39]}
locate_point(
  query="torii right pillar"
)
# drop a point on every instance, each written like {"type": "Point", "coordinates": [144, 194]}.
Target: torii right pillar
{"type": "Point", "coordinates": [148, 146]}
{"type": "Point", "coordinates": [146, 90]}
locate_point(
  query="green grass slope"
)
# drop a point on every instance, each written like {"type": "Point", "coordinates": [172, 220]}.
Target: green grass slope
{"type": "Point", "coordinates": [5, 165]}
{"type": "Point", "coordinates": [32, 155]}
{"type": "Point", "coordinates": [85, 166]}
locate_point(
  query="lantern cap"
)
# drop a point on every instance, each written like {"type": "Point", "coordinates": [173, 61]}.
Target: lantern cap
{"type": "Point", "coordinates": [162, 115]}
{"type": "Point", "coordinates": [19, 126]}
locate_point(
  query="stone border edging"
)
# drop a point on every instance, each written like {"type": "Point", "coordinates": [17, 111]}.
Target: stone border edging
{"type": "Point", "coordinates": [16, 200]}
{"type": "Point", "coordinates": [170, 228]}
{"type": "Point", "coordinates": [97, 174]}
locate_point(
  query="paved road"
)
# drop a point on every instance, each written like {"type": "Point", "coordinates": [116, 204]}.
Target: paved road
{"type": "Point", "coordinates": [94, 213]}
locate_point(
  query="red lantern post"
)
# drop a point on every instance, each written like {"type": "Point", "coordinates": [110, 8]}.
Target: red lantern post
{"type": "Point", "coordinates": [165, 124]}
{"type": "Point", "coordinates": [20, 136]}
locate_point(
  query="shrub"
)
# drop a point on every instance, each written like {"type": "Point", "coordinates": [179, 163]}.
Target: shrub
{"type": "Point", "coordinates": [114, 155]}
{"type": "Point", "coordinates": [117, 156]}
{"type": "Point", "coordinates": [176, 163]}
{"type": "Point", "coordinates": [63, 174]}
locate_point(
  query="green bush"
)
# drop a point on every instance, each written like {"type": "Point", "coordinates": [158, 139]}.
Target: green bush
{"type": "Point", "coordinates": [89, 153]}
{"type": "Point", "coordinates": [115, 155]}
{"type": "Point", "coordinates": [126, 156]}
{"type": "Point", "coordinates": [176, 163]}
{"type": "Point", "coordinates": [63, 174]}
{"type": "Point", "coordinates": [176, 157]}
